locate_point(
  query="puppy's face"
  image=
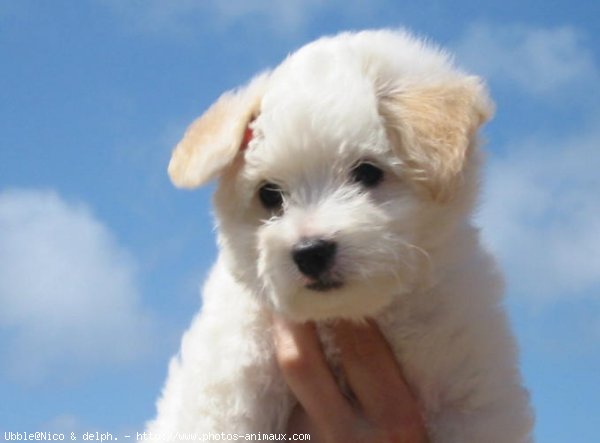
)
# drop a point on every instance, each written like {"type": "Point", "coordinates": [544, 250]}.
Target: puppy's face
{"type": "Point", "coordinates": [333, 188]}
{"type": "Point", "coordinates": [331, 217]}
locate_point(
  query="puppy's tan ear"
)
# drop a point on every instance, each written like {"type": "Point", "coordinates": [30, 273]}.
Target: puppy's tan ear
{"type": "Point", "coordinates": [434, 128]}
{"type": "Point", "coordinates": [213, 140]}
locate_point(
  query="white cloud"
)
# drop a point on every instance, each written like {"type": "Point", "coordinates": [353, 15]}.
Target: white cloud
{"type": "Point", "coordinates": [183, 16]}
{"type": "Point", "coordinates": [68, 295]}
{"type": "Point", "coordinates": [541, 214]}
{"type": "Point", "coordinates": [539, 61]}
{"type": "Point", "coordinates": [541, 211]}
{"type": "Point", "coordinates": [284, 15]}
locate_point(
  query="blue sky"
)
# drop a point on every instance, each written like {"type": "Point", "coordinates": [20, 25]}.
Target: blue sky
{"type": "Point", "coordinates": [101, 258]}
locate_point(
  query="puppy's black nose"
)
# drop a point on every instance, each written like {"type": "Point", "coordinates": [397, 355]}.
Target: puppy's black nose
{"type": "Point", "coordinates": [314, 256]}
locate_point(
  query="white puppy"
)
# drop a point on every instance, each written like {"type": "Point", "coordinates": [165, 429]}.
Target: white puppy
{"type": "Point", "coordinates": [347, 178]}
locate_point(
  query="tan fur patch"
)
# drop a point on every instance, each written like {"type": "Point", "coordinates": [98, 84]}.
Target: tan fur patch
{"type": "Point", "coordinates": [213, 140]}
{"type": "Point", "coordinates": [433, 128]}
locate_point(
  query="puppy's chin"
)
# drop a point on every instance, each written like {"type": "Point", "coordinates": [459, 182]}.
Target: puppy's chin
{"type": "Point", "coordinates": [329, 300]}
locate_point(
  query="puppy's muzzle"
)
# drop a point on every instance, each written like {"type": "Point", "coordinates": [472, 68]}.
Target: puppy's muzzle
{"type": "Point", "coordinates": [314, 257]}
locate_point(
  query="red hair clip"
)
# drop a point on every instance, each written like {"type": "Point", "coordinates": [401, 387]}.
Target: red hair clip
{"type": "Point", "coordinates": [247, 138]}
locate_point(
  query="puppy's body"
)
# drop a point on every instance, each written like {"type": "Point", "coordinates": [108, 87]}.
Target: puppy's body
{"type": "Point", "coordinates": [352, 199]}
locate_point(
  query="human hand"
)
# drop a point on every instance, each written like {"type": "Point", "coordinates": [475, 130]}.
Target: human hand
{"type": "Point", "coordinates": [387, 412]}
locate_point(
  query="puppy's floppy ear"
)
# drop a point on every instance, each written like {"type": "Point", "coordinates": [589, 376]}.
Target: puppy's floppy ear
{"type": "Point", "coordinates": [433, 129]}
{"type": "Point", "coordinates": [213, 140]}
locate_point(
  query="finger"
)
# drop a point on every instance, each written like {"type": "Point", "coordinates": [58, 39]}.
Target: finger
{"type": "Point", "coordinates": [374, 375]}
{"type": "Point", "coordinates": [304, 368]}
{"type": "Point", "coordinates": [300, 423]}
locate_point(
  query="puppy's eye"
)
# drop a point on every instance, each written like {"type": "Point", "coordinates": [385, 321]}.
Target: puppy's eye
{"type": "Point", "coordinates": [367, 174]}
{"type": "Point", "coordinates": [270, 196]}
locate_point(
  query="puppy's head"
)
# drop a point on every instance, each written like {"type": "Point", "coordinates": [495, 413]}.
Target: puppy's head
{"type": "Point", "coordinates": [341, 172]}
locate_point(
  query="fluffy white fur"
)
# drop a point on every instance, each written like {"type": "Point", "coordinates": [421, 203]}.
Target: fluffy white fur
{"type": "Point", "coordinates": [407, 255]}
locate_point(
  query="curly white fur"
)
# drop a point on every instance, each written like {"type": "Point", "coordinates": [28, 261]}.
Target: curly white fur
{"type": "Point", "coordinates": [407, 253]}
